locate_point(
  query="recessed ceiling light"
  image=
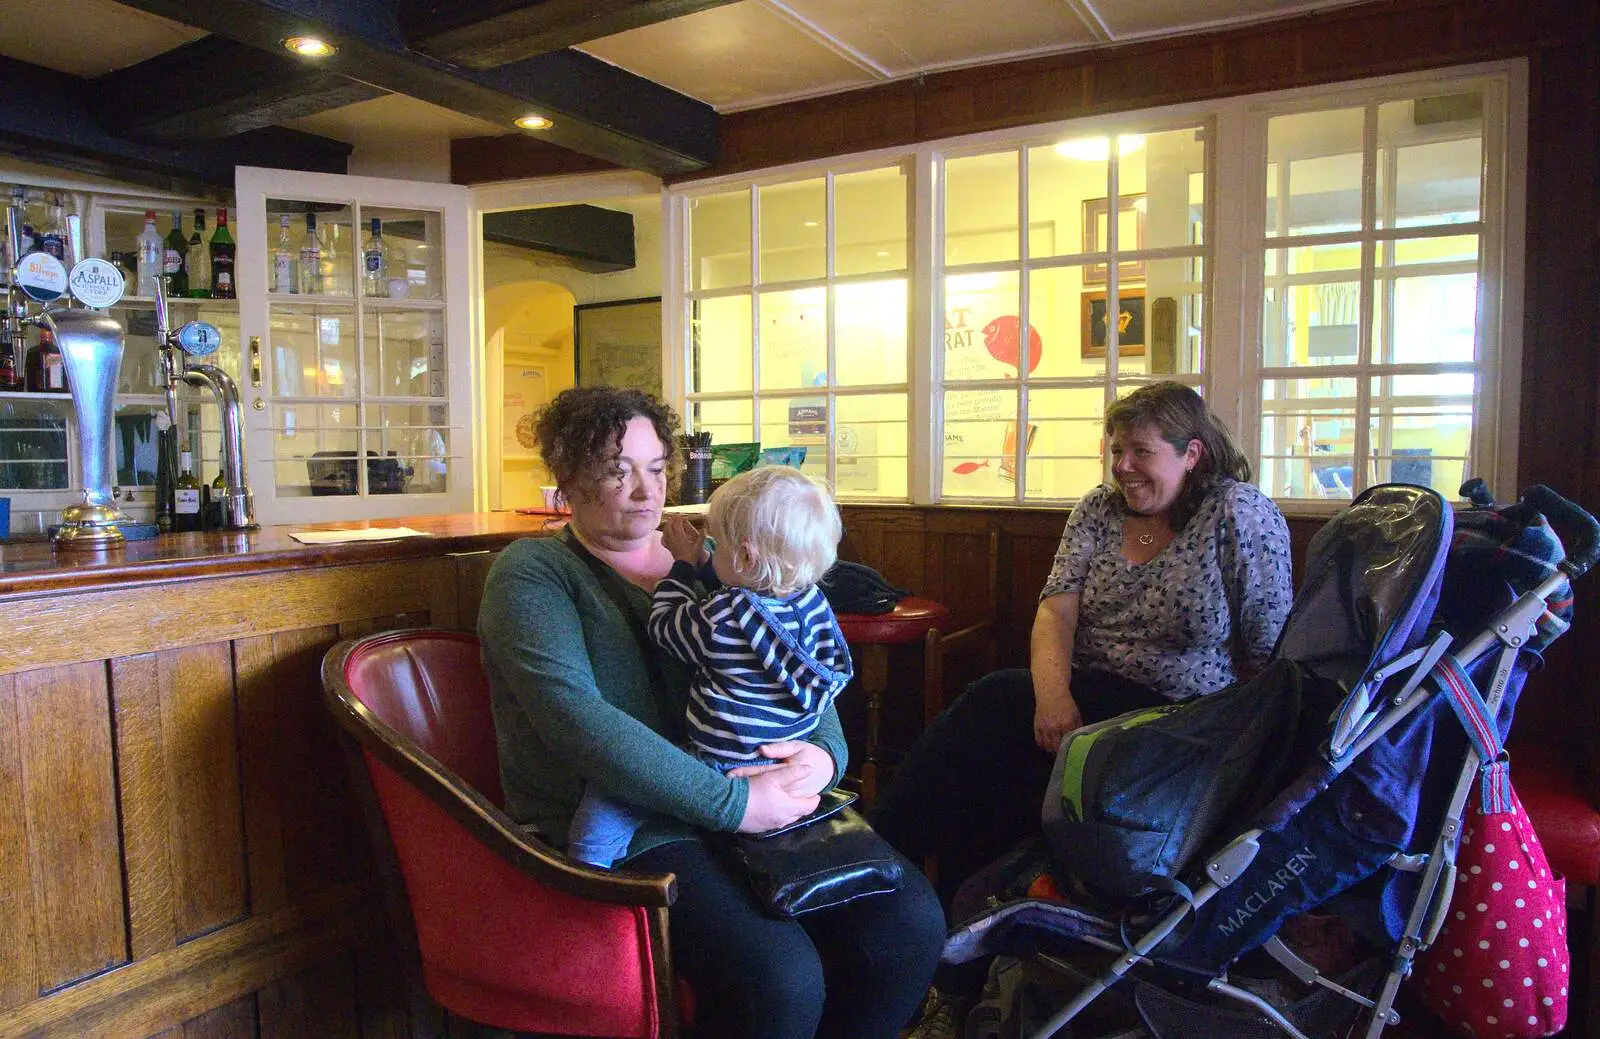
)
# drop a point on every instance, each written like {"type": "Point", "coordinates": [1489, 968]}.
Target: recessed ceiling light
{"type": "Point", "coordinates": [535, 121]}
{"type": "Point", "coordinates": [310, 47]}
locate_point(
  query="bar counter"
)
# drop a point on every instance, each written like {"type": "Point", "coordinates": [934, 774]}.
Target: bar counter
{"type": "Point", "coordinates": [180, 846]}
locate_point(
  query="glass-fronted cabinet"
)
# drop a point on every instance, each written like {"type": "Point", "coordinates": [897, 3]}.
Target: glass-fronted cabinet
{"type": "Point", "coordinates": [355, 325]}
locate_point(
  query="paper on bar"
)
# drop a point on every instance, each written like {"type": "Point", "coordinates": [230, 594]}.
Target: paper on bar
{"type": "Point", "coordinates": [338, 537]}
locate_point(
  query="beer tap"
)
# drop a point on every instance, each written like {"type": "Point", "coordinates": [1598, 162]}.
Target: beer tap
{"type": "Point", "coordinates": [200, 339]}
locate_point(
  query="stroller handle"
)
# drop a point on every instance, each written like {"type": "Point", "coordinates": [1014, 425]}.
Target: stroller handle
{"type": "Point", "coordinates": [1579, 532]}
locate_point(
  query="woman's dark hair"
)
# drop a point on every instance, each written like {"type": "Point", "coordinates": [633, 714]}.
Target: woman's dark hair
{"type": "Point", "coordinates": [1180, 415]}
{"type": "Point", "coordinates": [581, 431]}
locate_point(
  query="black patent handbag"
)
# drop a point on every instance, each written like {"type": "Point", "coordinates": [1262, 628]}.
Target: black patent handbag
{"type": "Point", "coordinates": [823, 860]}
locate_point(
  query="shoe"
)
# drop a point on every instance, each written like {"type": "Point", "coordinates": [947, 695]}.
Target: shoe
{"type": "Point", "coordinates": [942, 1017]}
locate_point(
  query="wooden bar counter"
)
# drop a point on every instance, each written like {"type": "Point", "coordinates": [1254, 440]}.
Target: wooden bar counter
{"type": "Point", "coordinates": [180, 851]}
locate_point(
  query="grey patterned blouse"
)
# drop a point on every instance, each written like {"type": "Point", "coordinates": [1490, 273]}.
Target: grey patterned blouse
{"type": "Point", "coordinates": [1184, 623]}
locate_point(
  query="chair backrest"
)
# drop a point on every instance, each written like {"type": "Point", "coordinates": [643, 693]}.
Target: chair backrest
{"type": "Point", "coordinates": [429, 686]}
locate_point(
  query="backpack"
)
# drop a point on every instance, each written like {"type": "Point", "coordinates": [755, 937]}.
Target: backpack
{"type": "Point", "coordinates": [1134, 798]}
{"type": "Point", "coordinates": [855, 588]}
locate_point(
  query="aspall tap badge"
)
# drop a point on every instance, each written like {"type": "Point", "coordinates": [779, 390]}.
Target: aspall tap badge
{"type": "Point", "coordinates": [42, 277]}
{"type": "Point", "coordinates": [97, 283]}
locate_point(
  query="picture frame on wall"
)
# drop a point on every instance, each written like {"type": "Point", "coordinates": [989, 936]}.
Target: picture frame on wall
{"type": "Point", "coordinates": [1130, 324]}
{"type": "Point", "coordinates": [1130, 236]}
{"type": "Point", "coordinates": [618, 343]}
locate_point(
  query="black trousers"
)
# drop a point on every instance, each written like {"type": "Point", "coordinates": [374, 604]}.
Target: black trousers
{"type": "Point", "coordinates": [855, 972]}
{"type": "Point", "coordinates": [971, 786]}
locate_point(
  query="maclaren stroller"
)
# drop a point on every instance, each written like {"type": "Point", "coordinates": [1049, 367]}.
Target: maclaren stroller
{"type": "Point", "coordinates": [1343, 775]}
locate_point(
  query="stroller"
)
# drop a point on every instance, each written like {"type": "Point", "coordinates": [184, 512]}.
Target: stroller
{"type": "Point", "coordinates": [1406, 609]}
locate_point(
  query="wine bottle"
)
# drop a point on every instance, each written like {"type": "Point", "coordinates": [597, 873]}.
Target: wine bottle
{"type": "Point", "coordinates": [283, 258]}
{"type": "Point", "coordinates": [186, 496]}
{"type": "Point", "coordinates": [222, 285]}
{"type": "Point", "coordinates": [211, 519]}
{"type": "Point", "coordinates": [150, 255]}
{"type": "Point", "coordinates": [173, 258]}
{"type": "Point", "coordinates": [310, 258]}
{"type": "Point", "coordinates": [197, 261]}
{"type": "Point", "coordinates": [10, 372]}
{"type": "Point", "coordinates": [166, 438]}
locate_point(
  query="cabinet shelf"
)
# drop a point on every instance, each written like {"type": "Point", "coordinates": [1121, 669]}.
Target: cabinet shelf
{"type": "Point", "coordinates": [369, 302]}
{"type": "Point", "coordinates": [177, 301]}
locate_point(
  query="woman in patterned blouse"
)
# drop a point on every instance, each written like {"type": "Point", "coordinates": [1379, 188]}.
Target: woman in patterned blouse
{"type": "Point", "coordinates": [1171, 581]}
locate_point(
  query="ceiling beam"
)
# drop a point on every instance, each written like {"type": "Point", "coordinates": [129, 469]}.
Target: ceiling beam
{"type": "Point", "coordinates": [245, 88]}
{"type": "Point", "coordinates": [49, 118]}
{"type": "Point", "coordinates": [599, 110]}
{"type": "Point", "coordinates": [485, 34]}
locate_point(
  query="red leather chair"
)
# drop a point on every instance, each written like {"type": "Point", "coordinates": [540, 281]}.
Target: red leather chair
{"type": "Point", "coordinates": [507, 931]}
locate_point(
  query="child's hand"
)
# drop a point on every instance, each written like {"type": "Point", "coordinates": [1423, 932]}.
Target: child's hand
{"type": "Point", "coordinates": [684, 540]}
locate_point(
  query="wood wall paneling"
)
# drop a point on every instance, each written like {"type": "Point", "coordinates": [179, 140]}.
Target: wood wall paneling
{"type": "Point", "coordinates": [18, 965]}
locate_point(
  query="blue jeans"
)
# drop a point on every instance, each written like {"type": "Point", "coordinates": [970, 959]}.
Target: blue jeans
{"type": "Point", "coordinates": [602, 828]}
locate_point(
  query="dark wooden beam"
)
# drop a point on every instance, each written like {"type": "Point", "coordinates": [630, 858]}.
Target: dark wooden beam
{"type": "Point", "coordinates": [485, 34]}
{"type": "Point", "coordinates": [49, 118]}
{"type": "Point", "coordinates": [598, 109]}
{"type": "Point", "coordinates": [217, 87]}
{"type": "Point", "coordinates": [480, 160]}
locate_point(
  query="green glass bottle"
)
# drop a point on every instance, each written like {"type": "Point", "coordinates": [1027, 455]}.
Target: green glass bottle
{"type": "Point", "coordinates": [222, 284]}
{"type": "Point", "coordinates": [174, 259]}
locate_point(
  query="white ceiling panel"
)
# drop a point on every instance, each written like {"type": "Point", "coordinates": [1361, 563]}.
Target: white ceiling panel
{"type": "Point", "coordinates": [909, 36]}
{"type": "Point", "coordinates": [735, 56]}
{"type": "Point", "coordinates": [1128, 19]}
{"type": "Point", "coordinates": [85, 37]}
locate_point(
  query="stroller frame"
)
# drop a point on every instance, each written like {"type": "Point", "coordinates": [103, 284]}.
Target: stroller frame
{"type": "Point", "coordinates": [1367, 714]}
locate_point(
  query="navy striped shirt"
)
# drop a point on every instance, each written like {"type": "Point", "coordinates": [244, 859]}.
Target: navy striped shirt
{"type": "Point", "coordinates": [766, 668]}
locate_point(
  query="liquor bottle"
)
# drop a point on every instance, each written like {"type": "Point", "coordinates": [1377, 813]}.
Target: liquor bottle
{"type": "Point", "coordinates": [150, 255]}
{"type": "Point", "coordinates": [166, 438]}
{"type": "Point", "coordinates": [196, 260]}
{"type": "Point", "coordinates": [375, 262]}
{"type": "Point", "coordinates": [174, 254]}
{"type": "Point", "coordinates": [334, 268]}
{"type": "Point", "coordinates": [53, 239]}
{"type": "Point", "coordinates": [283, 259]}
{"type": "Point", "coordinates": [186, 496]}
{"type": "Point", "coordinates": [211, 517]}
{"type": "Point", "coordinates": [45, 370]}
{"type": "Point", "coordinates": [310, 258]}
{"type": "Point", "coordinates": [222, 286]}
{"type": "Point", "coordinates": [10, 372]}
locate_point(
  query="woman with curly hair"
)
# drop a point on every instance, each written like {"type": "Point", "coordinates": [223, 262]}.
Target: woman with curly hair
{"type": "Point", "coordinates": [580, 702]}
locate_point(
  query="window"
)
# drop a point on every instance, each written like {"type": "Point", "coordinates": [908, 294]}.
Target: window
{"type": "Point", "coordinates": [1373, 345]}
{"type": "Point", "coordinates": [948, 324]}
{"type": "Point", "coordinates": [798, 311]}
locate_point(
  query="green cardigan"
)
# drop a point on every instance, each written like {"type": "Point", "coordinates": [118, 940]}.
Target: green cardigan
{"type": "Point", "coordinates": [573, 701]}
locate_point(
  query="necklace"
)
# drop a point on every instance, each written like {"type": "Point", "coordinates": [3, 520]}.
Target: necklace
{"type": "Point", "coordinates": [1147, 539]}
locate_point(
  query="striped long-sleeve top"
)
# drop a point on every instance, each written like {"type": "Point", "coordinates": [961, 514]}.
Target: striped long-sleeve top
{"type": "Point", "coordinates": [765, 668]}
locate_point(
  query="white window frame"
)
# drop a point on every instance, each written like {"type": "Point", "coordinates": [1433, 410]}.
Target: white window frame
{"type": "Point", "coordinates": [1233, 294]}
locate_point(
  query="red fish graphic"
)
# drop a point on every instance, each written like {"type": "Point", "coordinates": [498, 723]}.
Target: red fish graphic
{"type": "Point", "coordinates": [969, 467]}
{"type": "Point", "coordinates": [1005, 345]}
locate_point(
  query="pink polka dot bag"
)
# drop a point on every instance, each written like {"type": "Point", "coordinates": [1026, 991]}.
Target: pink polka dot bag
{"type": "Point", "coordinates": [1499, 967]}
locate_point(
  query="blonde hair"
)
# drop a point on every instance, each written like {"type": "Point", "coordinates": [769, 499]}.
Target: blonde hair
{"type": "Point", "coordinates": [787, 520]}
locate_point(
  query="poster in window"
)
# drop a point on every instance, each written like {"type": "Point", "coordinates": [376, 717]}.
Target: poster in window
{"type": "Point", "coordinates": [619, 344]}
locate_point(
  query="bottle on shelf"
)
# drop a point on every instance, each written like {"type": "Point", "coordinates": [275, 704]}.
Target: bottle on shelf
{"type": "Point", "coordinates": [10, 372]}
{"type": "Point", "coordinates": [211, 515]}
{"type": "Point", "coordinates": [186, 496]}
{"type": "Point", "coordinates": [46, 372]}
{"type": "Point", "coordinates": [283, 258]}
{"type": "Point", "coordinates": [166, 439]}
{"type": "Point", "coordinates": [53, 237]}
{"type": "Point", "coordinates": [375, 262]}
{"type": "Point", "coordinates": [173, 256]}
{"type": "Point", "coordinates": [310, 258]}
{"type": "Point", "coordinates": [197, 260]}
{"type": "Point", "coordinates": [333, 268]}
{"type": "Point", "coordinates": [151, 249]}
{"type": "Point", "coordinates": [222, 286]}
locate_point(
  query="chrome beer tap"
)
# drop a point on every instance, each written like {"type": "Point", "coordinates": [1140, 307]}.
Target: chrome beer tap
{"type": "Point", "coordinates": [199, 339]}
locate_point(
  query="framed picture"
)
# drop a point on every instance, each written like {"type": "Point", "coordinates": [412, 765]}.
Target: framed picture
{"type": "Point", "coordinates": [1130, 236]}
{"type": "Point", "coordinates": [619, 344]}
{"type": "Point", "coordinates": [1130, 323]}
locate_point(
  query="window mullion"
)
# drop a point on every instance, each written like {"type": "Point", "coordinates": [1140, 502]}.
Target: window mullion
{"type": "Point", "coordinates": [925, 367]}
{"type": "Point", "coordinates": [1361, 439]}
{"type": "Point", "coordinates": [755, 313]}
{"type": "Point", "coordinates": [831, 401]}
{"type": "Point", "coordinates": [1019, 440]}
